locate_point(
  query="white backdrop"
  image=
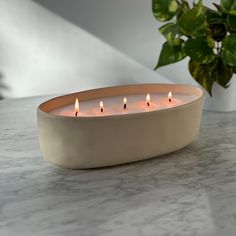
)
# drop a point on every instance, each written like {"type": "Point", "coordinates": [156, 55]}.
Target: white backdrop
{"type": "Point", "coordinates": [41, 53]}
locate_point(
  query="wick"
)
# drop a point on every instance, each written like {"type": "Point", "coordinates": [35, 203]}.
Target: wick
{"type": "Point", "coordinates": [101, 109]}
{"type": "Point", "coordinates": [169, 99]}
{"type": "Point", "coordinates": [76, 113]}
{"type": "Point", "coordinates": [148, 103]}
{"type": "Point", "coordinates": [125, 106]}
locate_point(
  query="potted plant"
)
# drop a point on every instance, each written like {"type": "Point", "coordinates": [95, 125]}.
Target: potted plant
{"type": "Point", "coordinates": [207, 36]}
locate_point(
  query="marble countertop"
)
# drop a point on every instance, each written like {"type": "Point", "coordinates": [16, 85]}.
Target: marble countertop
{"type": "Point", "coordinates": [189, 192]}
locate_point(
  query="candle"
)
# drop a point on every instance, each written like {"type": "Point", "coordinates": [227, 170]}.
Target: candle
{"type": "Point", "coordinates": [125, 102]}
{"type": "Point", "coordinates": [114, 106]}
{"type": "Point", "coordinates": [73, 142]}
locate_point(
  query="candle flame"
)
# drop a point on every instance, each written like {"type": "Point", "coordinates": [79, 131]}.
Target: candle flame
{"type": "Point", "coordinates": [148, 99]}
{"type": "Point", "coordinates": [76, 105]}
{"type": "Point", "coordinates": [101, 106]}
{"type": "Point", "coordinates": [125, 102]}
{"type": "Point", "coordinates": [170, 96]}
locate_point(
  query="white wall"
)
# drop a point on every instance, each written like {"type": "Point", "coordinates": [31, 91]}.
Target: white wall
{"type": "Point", "coordinates": [41, 53]}
{"type": "Point", "coordinates": [127, 25]}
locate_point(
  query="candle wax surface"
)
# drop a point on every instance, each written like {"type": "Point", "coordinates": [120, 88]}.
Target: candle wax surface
{"type": "Point", "coordinates": [136, 103]}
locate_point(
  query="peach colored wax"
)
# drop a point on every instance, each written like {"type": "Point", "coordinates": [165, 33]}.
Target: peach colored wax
{"type": "Point", "coordinates": [136, 103]}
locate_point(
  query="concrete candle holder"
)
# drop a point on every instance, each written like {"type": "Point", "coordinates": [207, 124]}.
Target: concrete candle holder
{"type": "Point", "coordinates": [104, 140]}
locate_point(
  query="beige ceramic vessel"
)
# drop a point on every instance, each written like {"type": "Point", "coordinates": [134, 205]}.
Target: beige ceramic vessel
{"type": "Point", "coordinates": [89, 142]}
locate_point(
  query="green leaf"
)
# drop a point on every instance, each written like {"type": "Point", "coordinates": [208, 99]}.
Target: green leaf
{"type": "Point", "coordinates": [200, 50]}
{"type": "Point", "coordinates": [202, 73]}
{"type": "Point", "coordinates": [214, 17]}
{"type": "Point", "coordinates": [217, 31]}
{"type": "Point", "coordinates": [182, 8]}
{"type": "Point", "coordinates": [207, 74]}
{"type": "Point", "coordinates": [232, 22]}
{"type": "Point", "coordinates": [164, 10]}
{"type": "Point", "coordinates": [219, 8]}
{"type": "Point", "coordinates": [193, 22]}
{"type": "Point", "coordinates": [222, 74]}
{"type": "Point", "coordinates": [216, 24]}
{"type": "Point", "coordinates": [229, 6]}
{"type": "Point", "coordinates": [169, 31]}
{"type": "Point", "coordinates": [234, 69]}
{"type": "Point", "coordinates": [171, 53]}
{"type": "Point", "coordinates": [185, 5]}
{"type": "Point", "coordinates": [229, 50]}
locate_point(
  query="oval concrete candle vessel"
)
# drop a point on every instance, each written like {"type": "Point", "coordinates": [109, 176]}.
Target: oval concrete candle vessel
{"type": "Point", "coordinates": [98, 141]}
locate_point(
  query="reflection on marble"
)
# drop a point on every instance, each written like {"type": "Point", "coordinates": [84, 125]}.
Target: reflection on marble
{"type": "Point", "coordinates": [189, 192]}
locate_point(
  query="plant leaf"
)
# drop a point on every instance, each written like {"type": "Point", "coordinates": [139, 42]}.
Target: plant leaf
{"type": "Point", "coordinates": [171, 53]}
{"type": "Point", "coordinates": [214, 17]}
{"type": "Point", "coordinates": [229, 6]}
{"type": "Point", "coordinates": [164, 10]}
{"type": "Point", "coordinates": [207, 74]}
{"type": "Point", "coordinates": [169, 31]}
{"type": "Point", "coordinates": [193, 22]}
{"type": "Point", "coordinates": [183, 7]}
{"type": "Point", "coordinates": [202, 73]}
{"type": "Point", "coordinates": [219, 8]}
{"type": "Point", "coordinates": [217, 31]}
{"type": "Point", "coordinates": [200, 50]}
{"type": "Point", "coordinates": [232, 22]}
{"type": "Point", "coordinates": [234, 69]}
{"type": "Point", "coordinates": [229, 50]}
{"type": "Point", "coordinates": [222, 74]}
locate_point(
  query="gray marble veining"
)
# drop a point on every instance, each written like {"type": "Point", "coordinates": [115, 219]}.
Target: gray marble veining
{"type": "Point", "coordinates": [191, 192]}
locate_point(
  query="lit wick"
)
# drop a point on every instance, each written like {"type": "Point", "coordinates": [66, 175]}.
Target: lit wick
{"type": "Point", "coordinates": [148, 99]}
{"type": "Point", "coordinates": [101, 106]}
{"type": "Point", "coordinates": [170, 96]}
{"type": "Point", "coordinates": [76, 107]}
{"type": "Point", "coordinates": [125, 102]}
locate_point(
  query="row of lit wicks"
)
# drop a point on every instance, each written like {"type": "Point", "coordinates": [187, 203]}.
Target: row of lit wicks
{"type": "Point", "coordinates": [148, 100]}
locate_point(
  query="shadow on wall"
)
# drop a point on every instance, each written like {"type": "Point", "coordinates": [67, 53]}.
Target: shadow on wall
{"type": "Point", "coordinates": [2, 86]}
